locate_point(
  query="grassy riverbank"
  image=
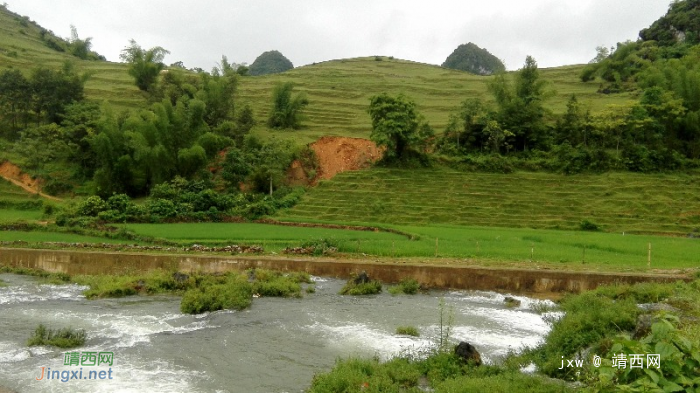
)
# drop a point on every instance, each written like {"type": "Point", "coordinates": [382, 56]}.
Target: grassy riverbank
{"type": "Point", "coordinates": [606, 323]}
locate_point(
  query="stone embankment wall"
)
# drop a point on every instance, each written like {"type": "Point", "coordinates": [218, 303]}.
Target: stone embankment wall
{"type": "Point", "coordinates": [492, 279]}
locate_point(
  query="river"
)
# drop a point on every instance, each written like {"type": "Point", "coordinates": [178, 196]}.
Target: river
{"type": "Point", "coordinates": [277, 345]}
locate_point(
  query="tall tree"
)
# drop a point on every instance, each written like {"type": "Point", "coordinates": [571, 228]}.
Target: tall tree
{"type": "Point", "coordinates": [79, 47]}
{"type": "Point", "coordinates": [286, 109]}
{"type": "Point", "coordinates": [521, 109]}
{"type": "Point", "coordinates": [395, 124]}
{"type": "Point", "coordinates": [144, 65]}
{"type": "Point", "coordinates": [15, 98]}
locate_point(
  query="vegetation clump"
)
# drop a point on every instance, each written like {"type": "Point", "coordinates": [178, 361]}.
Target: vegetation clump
{"type": "Point", "coordinates": [408, 331]}
{"type": "Point", "coordinates": [234, 292]}
{"type": "Point", "coordinates": [61, 338]}
{"type": "Point", "coordinates": [286, 110]}
{"type": "Point", "coordinates": [361, 285]}
{"type": "Point", "coordinates": [596, 322]}
{"type": "Point", "coordinates": [153, 282]}
{"type": "Point", "coordinates": [408, 286]}
{"type": "Point", "coordinates": [269, 283]}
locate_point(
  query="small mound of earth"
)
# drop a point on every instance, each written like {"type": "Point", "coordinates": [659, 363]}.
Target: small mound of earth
{"type": "Point", "coordinates": [339, 154]}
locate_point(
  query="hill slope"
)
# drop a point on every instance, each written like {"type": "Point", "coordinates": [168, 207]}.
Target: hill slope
{"type": "Point", "coordinates": [618, 202]}
{"type": "Point", "coordinates": [338, 90]}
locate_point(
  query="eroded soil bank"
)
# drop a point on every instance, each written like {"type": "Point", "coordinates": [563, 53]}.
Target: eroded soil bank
{"type": "Point", "coordinates": [541, 283]}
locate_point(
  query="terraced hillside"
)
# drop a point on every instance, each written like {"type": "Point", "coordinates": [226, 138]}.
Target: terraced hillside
{"type": "Point", "coordinates": [338, 90]}
{"type": "Point", "coordinates": [618, 202]}
{"type": "Point", "coordinates": [21, 47]}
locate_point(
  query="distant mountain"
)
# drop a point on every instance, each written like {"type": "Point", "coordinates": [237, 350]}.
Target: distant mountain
{"type": "Point", "coordinates": [681, 24]}
{"type": "Point", "coordinates": [272, 62]}
{"type": "Point", "coordinates": [471, 58]}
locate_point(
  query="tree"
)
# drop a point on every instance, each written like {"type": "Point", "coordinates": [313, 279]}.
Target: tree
{"type": "Point", "coordinates": [144, 65]}
{"type": "Point", "coordinates": [471, 58]}
{"type": "Point", "coordinates": [521, 109]}
{"type": "Point", "coordinates": [497, 136]}
{"type": "Point", "coordinates": [52, 91]}
{"type": "Point", "coordinates": [79, 47]}
{"type": "Point", "coordinates": [286, 110]}
{"type": "Point", "coordinates": [15, 98]}
{"type": "Point", "coordinates": [395, 124]}
{"type": "Point", "coordinates": [272, 62]}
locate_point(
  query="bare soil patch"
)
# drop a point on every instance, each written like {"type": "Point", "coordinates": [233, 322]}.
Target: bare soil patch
{"type": "Point", "coordinates": [14, 174]}
{"type": "Point", "coordinates": [339, 154]}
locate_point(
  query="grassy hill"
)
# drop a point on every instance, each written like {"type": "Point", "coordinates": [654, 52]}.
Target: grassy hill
{"type": "Point", "coordinates": [617, 202]}
{"type": "Point", "coordinates": [338, 90]}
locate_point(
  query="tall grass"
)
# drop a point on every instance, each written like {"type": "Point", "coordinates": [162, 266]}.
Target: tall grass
{"type": "Point", "coordinates": [61, 338]}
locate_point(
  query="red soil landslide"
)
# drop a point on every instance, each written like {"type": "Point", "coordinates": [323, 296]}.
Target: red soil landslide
{"type": "Point", "coordinates": [14, 174]}
{"type": "Point", "coordinates": [339, 154]}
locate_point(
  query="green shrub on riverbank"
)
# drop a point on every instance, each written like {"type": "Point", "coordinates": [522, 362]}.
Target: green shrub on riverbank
{"type": "Point", "coordinates": [595, 322]}
{"type": "Point", "coordinates": [156, 281]}
{"type": "Point", "coordinates": [270, 283]}
{"type": "Point", "coordinates": [355, 288]}
{"type": "Point", "coordinates": [61, 338]}
{"type": "Point", "coordinates": [441, 371]}
{"type": "Point", "coordinates": [52, 278]}
{"type": "Point", "coordinates": [406, 286]}
{"type": "Point", "coordinates": [234, 293]}
{"type": "Point", "coordinates": [408, 331]}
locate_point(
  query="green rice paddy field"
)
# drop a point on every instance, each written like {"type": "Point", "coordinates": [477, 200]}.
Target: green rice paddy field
{"type": "Point", "coordinates": [606, 251]}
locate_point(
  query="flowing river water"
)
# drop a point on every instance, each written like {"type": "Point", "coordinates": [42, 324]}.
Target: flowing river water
{"type": "Point", "coordinates": [277, 345]}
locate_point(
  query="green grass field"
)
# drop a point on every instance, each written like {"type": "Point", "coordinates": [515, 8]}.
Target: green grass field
{"type": "Point", "coordinates": [617, 202]}
{"type": "Point", "coordinates": [40, 237]}
{"type": "Point", "coordinates": [606, 251]}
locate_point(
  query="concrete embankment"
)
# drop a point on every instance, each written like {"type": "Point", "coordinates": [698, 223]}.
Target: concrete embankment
{"type": "Point", "coordinates": [456, 277]}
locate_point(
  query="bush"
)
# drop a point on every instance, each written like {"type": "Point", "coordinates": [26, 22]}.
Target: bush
{"type": "Point", "coordinates": [589, 319]}
{"type": "Point", "coordinates": [91, 207]}
{"type": "Point", "coordinates": [357, 289]}
{"type": "Point", "coordinates": [236, 294]}
{"type": "Point", "coordinates": [62, 338]}
{"type": "Point", "coordinates": [406, 286]}
{"type": "Point", "coordinates": [586, 225]}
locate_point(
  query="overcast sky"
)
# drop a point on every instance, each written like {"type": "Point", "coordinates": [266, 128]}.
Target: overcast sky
{"type": "Point", "coordinates": [555, 32]}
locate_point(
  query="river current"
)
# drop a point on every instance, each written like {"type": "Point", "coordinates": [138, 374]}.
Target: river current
{"type": "Point", "coordinates": [277, 345]}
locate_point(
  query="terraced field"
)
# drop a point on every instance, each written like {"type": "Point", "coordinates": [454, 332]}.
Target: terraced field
{"type": "Point", "coordinates": [618, 202]}
{"type": "Point", "coordinates": [338, 90]}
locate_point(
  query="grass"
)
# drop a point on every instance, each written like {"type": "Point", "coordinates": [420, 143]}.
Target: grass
{"type": "Point", "coordinates": [235, 293]}
{"type": "Point", "coordinates": [272, 237]}
{"type": "Point", "coordinates": [153, 282]}
{"type": "Point", "coordinates": [408, 331]}
{"type": "Point", "coordinates": [439, 373]}
{"type": "Point", "coordinates": [407, 286]}
{"type": "Point", "coordinates": [595, 322]}
{"type": "Point", "coordinates": [12, 215]}
{"type": "Point", "coordinates": [488, 245]}
{"type": "Point", "coordinates": [42, 237]}
{"type": "Point", "coordinates": [53, 278]}
{"type": "Point", "coordinates": [61, 338]}
{"type": "Point", "coordinates": [616, 202]}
